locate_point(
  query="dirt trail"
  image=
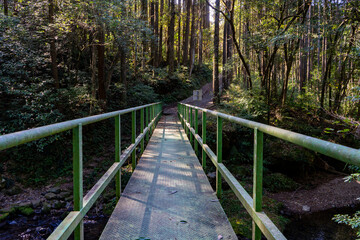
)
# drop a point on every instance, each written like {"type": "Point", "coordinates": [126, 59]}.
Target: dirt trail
{"type": "Point", "coordinates": [334, 193]}
{"type": "Point", "coordinates": [206, 101]}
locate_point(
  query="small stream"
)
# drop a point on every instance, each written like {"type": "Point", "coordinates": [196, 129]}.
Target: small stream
{"type": "Point", "coordinates": [319, 226]}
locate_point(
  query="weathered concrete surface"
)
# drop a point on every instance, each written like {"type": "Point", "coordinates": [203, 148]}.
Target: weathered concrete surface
{"type": "Point", "coordinates": [168, 195]}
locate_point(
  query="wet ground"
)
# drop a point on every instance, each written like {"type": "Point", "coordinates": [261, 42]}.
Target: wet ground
{"type": "Point", "coordinates": [319, 226]}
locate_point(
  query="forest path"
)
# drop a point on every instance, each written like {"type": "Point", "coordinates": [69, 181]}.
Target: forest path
{"type": "Point", "coordinates": [206, 101]}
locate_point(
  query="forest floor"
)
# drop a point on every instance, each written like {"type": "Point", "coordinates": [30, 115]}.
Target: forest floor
{"type": "Point", "coordinates": [328, 190]}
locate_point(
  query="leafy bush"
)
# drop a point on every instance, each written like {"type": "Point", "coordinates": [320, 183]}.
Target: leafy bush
{"type": "Point", "coordinates": [354, 220]}
{"type": "Point", "coordinates": [245, 103]}
{"type": "Point", "coordinates": [277, 182]}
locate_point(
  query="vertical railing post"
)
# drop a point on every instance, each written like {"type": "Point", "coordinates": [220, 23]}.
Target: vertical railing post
{"type": "Point", "coordinates": [204, 139]}
{"type": "Point", "coordinates": [142, 129]}
{"type": "Point", "coordinates": [258, 179]}
{"type": "Point", "coordinates": [196, 132]}
{"type": "Point", "coordinates": [133, 138]}
{"type": "Point", "coordinates": [78, 178]}
{"type": "Point", "coordinates": [147, 122]}
{"type": "Point", "coordinates": [118, 154]}
{"type": "Point", "coordinates": [191, 125]}
{"type": "Point", "coordinates": [219, 155]}
{"type": "Point", "coordinates": [151, 117]}
{"type": "Point", "coordinates": [153, 114]}
{"type": "Point", "coordinates": [183, 113]}
{"type": "Point", "coordinates": [186, 119]}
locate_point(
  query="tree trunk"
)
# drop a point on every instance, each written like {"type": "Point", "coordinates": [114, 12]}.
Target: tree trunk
{"type": "Point", "coordinates": [229, 46]}
{"type": "Point", "coordinates": [170, 47]}
{"type": "Point", "coordinates": [144, 17]}
{"type": "Point", "coordinates": [152, 23]}
{"type": "Point", "coordinates": [160, 58]}
{"type": "Point", "coordinates": [224, 58]}
{"type": "Point", "coordinates": [201, 25]}
{"type": "Point", "coordinates": [123, 68]}
{"type": "Point", "coordinates": [6, 7]}
{"type": "Point", "coordinates": [192, 39]}
{"type": "Point", "coordinates": [156, 34]}
{"type": "Point", "coordinates": [101, 66]}
{"type": "Point", "coordinates": [215, 83]}
{"type": "Point", "coordinates": [186, 33]}
{"type": "Point", "coordinates": [179, 34]}
{"type": "Point", "coordinates": [93, 73]}
{"type": "Point", "coordinates": [53, 54]}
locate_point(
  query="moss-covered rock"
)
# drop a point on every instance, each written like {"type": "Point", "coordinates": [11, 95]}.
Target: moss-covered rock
{"type": "Point", "coordinates": [3, 216]}
{"type": "Point", "coordinates": [27, 211]}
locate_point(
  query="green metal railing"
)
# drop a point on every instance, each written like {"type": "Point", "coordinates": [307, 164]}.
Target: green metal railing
{"type": "Point", "coordinates": [73, 221]}
{"type": "Point", "coordinates": [261, 222]}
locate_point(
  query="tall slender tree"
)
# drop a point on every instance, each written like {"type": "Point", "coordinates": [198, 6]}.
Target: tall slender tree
{"type": "Point", "coordinates": [171, 32]}
{"type": "Point", "coordinates": [215, 82]}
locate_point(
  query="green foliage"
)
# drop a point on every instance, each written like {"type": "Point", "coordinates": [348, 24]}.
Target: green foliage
{"type": "Point", "coordinates": [27, 211]}
{"type": "Point", "coordinates": [180, 84]}
{"type": "Point", "coordinates": [140, 94]}
{"type": "Point", "coordinates": [240, 219]}
{"type": "Point", "coordinates": [278, 182]}
{"type": "Point", "coordinates": [245, 103]}
{"type": "Point", "coordinates": [352, 221]}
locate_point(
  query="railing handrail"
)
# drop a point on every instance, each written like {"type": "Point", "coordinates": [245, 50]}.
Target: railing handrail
{"type": "Point", "coordinates": [82, 204]}
{"type": "Point", "coordinates": [337, 151]}
{"type": "Point", "coordinates": [261, 222]}
{"type": "Point", "coordinates": [21, 137]}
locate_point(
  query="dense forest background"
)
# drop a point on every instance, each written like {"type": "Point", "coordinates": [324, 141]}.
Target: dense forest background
{"type": "Point", "coordinates": [289, 63]}
{"type": "Point", "coordinates": [294, 64]}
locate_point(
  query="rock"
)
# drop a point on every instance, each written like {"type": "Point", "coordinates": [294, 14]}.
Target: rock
{"type": "Point", "coordinates": [55, 190]}
{"type": "Point", "coordinates": [43, 231]}
{"type": "Point", "coordinates": [13, 223]}
{"type": "Point", "coordinates": [63, 195]}
{"type": "Point", "coordinates": [24, 204]}
{"type": "Point", "coordinates": [36, 203]}
{"type": "Point", "coordinates": [45, 208]}
{"type": "Point", "coordinates": [6, 183]}
{"type": "Point", "coordinates": [58, 204]}
{"type": "Point", "coordinates": [212, 175]}
{"type": "Point", "coordinates": [306, 208]}
{"type": "Point", "coordinates": [6, 210]}
{"type": "Point", "coordinates": [50, 196]}
{"type": "Point", "coordinates": [2, 183]}
{"type": "Point", "coordinates": [27, 211]}
{"type": "Point", "coordinates": [13, 191]}
{"type": "Point", "coordinates": [69, 199]}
